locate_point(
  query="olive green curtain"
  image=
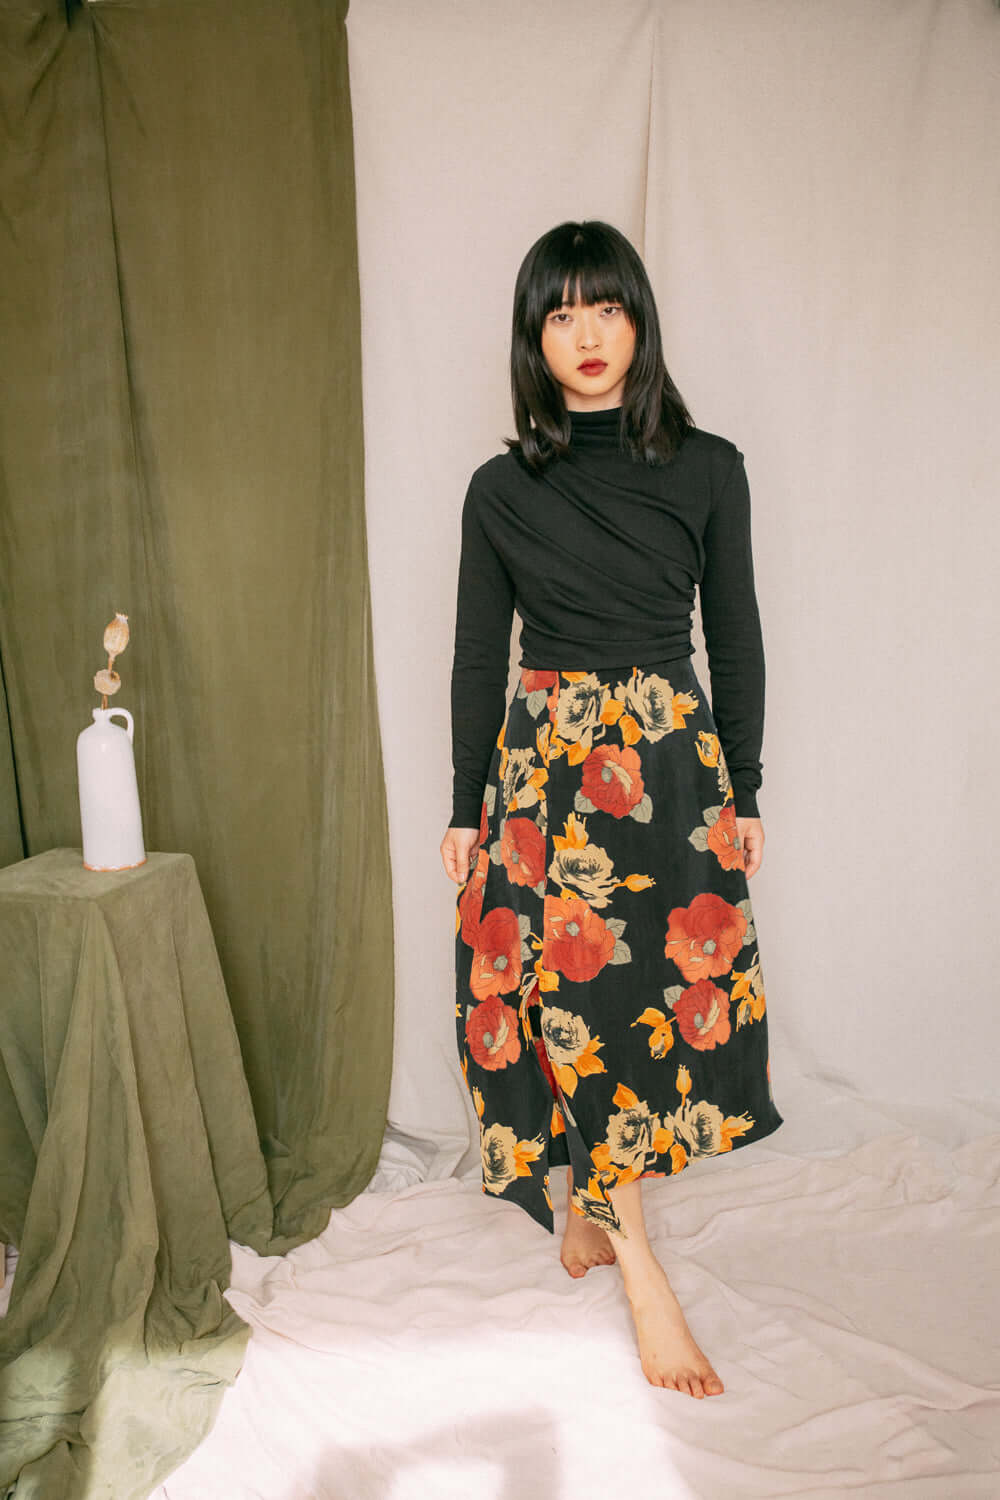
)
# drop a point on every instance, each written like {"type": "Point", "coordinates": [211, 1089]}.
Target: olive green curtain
{"type": "Point", "coordinates": [181, 440]}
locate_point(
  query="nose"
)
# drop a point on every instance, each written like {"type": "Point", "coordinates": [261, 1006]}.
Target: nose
{"type": "Point", "coordinates": [589, 328]}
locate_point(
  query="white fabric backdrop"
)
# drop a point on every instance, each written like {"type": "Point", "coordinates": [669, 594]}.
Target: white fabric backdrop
{"type": "Point", "coordinates": [815, 191]}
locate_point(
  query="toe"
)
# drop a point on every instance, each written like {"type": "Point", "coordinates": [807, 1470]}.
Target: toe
{"type": "Point", "coordinates": [696, 1388]}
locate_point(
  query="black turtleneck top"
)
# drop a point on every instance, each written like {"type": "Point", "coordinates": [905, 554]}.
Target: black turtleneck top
{"type": "Point", "coordinates": [600, 555]}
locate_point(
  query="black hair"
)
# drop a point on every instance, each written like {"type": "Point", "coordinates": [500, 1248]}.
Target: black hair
{"type": "Point", "coordinates": [600, 265]}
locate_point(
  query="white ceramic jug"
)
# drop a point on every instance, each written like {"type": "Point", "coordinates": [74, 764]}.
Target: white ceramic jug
{"type": "Point", "coordinates": [109, 795]}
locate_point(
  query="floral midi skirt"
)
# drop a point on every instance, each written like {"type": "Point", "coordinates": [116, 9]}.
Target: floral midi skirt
{"type": "Point", "coordinates": [611, 1012]}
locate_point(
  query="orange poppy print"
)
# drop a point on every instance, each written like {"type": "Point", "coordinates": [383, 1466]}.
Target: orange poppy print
{"type": "Point", "coordinates": [722, 840]}
{"type": "Point", "coordinates": [577, 942]}
{"type": "Point", "coordinates": [703, 1015]}
{"type": "Point", "coordinates": [612, 779]}
{"type": "Point", "coordinates": [496, 963]}
{"type": "Point", "coordinates": [522, 849]}
{"type": "Point", "coordinates": [535, 682]}
{"type": "Point", "coordinates": [705, 937]}
{"type": "Point", "coordinates": [491, 1028]}
{"type": "Point", "coordinates": [470, 902]}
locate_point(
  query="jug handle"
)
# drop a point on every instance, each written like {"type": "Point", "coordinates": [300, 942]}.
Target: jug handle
{"type": "Point", "coordinates": [123, 713]}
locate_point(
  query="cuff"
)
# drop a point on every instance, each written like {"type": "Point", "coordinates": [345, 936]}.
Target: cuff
{"type": "Point", "coordinates": [466, 814]}
{"type": "Point", "coordinates": [745, 802]}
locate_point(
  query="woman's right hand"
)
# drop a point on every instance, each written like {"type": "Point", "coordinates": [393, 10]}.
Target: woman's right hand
{"type": "Point", "coordinates": [459, 852]}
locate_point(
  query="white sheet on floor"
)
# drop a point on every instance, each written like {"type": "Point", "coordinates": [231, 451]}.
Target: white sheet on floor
{"type": "Point", "coordinates": [429, 1345]}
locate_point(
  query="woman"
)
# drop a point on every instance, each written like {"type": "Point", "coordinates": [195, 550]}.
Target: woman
{"type": "Point", "coordinates": [611, 1012]}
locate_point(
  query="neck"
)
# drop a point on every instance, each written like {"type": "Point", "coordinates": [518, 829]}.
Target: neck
{"type": "Point", "coordinates": [596, 429]}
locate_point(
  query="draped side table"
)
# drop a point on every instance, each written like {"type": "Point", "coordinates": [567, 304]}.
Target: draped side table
{"type": "Point", "coordinates": [129, 1154]}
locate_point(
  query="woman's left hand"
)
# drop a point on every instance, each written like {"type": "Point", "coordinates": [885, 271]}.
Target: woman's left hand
{"type": "Point", "coordinates": [751, 833]}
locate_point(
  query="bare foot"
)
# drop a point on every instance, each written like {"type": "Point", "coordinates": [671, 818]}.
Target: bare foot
{"type": "Point", "coordinates": [584, 1245]}
{"type": "Point", "coordinates": [667, 1350]}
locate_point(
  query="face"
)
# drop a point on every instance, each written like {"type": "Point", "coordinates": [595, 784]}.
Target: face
{"type": "Point", "coordinates": [589, 349]}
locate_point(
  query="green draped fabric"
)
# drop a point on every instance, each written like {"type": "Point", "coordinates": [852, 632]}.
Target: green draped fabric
{"type": "Point", "coordinates": [130, 1153]}
{"type": "Point", "coordinates": [181, 440]}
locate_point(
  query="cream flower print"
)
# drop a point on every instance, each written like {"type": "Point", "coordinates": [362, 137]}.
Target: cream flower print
{"type": "Point", "coordinates": [650, 701]}
{"type": "Point", "coordinates": [593, 1205]}
{"type": "Point", "coordinates": [570, 1048]}
{"type": "Point", "coordinates": [580, 707]}
{"type": "Point", "coordinates": [504, 1156]}
{"type": "Point", "coordinates": [521, 779]}
{"type": "Point", "coordinates": [630, 1135]}
{"type": "Point", "coordinates": [566, 1035]}
{"type": "Point", "coordinates": [699, 1127]}
{"type": "Point", "coordinates": [588, 870]}
{"type": "Point", "coordinates": [498, 1145]}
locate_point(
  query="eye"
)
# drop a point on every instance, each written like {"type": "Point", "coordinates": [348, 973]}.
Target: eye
{"type": "Point", "coordinates": [554, 317]}
{"type": "Point", "coordinates": [612, 307]}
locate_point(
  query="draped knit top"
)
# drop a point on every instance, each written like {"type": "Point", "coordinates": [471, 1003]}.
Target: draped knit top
{"type": "Point", "coordinates": [601, 555]}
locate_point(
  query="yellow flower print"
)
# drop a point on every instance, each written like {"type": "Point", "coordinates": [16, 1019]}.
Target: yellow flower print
{"type": "Point", "coordinates": [661, 1038]}
{"type": "Point", "coordinates": [547, 978]}
{"type": "Point", "coordinates": [710, 753]}
{"type": "Point", "coordinates": [748, 993]}
{"type": "Point", "coordinates": [709, 748]}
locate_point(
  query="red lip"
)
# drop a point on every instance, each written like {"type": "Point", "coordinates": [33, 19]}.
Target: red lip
{"type": "Point", "coordinates": [592, 366]}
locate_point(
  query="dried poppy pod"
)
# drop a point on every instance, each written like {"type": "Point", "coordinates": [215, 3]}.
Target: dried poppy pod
{"type": "Point", "coordinates": [107, 682]}
{"type": "Point", "coordinates": [116, 636]}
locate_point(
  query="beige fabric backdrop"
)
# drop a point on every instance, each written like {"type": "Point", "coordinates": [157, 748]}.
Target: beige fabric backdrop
{"type": "Point", "coordinates": [815, 190]}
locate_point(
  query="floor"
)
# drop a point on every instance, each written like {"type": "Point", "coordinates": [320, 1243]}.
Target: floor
{"type": "Point", "coordinates": [841, 1275]}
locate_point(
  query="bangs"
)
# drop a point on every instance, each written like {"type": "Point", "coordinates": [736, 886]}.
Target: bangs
{"type": "Point", "coordinates": [590, 265]}
{"type": "Point", "coordinates": [587, 284]}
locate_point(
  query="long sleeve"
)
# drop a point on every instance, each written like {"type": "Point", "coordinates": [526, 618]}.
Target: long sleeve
{"type": "Point", "coordinates": [481, 663]}
{"type": "Point", "coordinates": [733, 640]}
